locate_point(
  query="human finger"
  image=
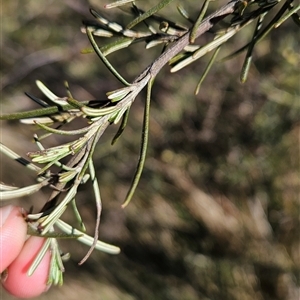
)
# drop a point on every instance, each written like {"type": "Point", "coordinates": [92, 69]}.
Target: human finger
{"type": "Point", "coordinates": [13, 230]}
{"type": "Point", "coordinates": [17, 282]}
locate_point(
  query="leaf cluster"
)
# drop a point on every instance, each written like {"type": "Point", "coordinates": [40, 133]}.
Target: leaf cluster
{"type": "Point", "coordinates": [74, 160]}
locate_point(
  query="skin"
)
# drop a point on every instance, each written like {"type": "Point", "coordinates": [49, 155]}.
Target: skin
{"type": "Point", "coordinates": [17, 253]}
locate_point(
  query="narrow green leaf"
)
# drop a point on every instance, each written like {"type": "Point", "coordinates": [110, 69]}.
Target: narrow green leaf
{"type": "Point", "coordinates": [64, 132]}
{"type": "Point", "coordinates": [67, 176]}
{"type": "Point", "coordinates": [86, 239]}
{"type": "Point", "coordinates": [32, 113]}
{"type": "Point", "coordinates": [51, 234]}
{"type": "Point", "coordinates": [119, 44]}
{"type": "Point", "coordinates": [50, 154]}
{"type": "Point", "coordinates": [104, 59]}
{"type": "Point", "coordinates": [46, 91]}
{"type": "Point", "coordinates": [292, 13]}
{"type": "Point", "coordinates": [263, 33]}
{"type": "Point", "coordinates": [117, 3]}
{"type": "Point", "coordinates": [21, 192]}
{"type": "Point", "coordinates": [149, 13]}
{"type": "Point", "coordinates": [219, 40]}
{"type": "Point", "coordinates": [11, 154]}
{"type": "Point", "coordinates": [198, 21]}
{"type": "Point", "coordinates": [122, 126]}
{"type": "Point", "coordinates": [39, 257]}
{"type": "Point", "coordinates": [98, 209]}
{"type": "Point", "coordinates": [207, 69]}
{"type": "Point", "coordinates": [184, 14]}
{"type": "Point", "coordinates": [6, 187]}
{"type": "Point", "coordinates": [51, 219]}
{"type": "Point", "coordinates": [248, 59]}
{"type": "Point", "coordinates": [78, 216]}
{"type": "Point", "coordinates": [119, 94]}
{"type": "Point", "coordinates": [144, 144]}
{"type": "Point", "coordinates": [96, 112]}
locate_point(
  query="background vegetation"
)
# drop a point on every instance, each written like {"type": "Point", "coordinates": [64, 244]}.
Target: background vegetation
{"type": "Point", "coordinates": [216, 213]}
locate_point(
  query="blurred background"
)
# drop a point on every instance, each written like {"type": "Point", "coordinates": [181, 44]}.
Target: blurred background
{"type": "Point", "coordinates": [216, 213]}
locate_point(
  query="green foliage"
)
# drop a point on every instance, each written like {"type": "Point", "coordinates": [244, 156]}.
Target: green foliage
{"type": "Point", "coordinates": [67, 166]}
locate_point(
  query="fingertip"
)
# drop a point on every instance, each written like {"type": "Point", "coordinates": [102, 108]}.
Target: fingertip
{"type": "Point", "coordinates": [12, 234]}
{"type": "Point", "coordinates": [18, 283]}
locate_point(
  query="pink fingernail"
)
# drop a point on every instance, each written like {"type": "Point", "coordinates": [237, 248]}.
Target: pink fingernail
{"type": "Point", "coordinates": [4, 213]}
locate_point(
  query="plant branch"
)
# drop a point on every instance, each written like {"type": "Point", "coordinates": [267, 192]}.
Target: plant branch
{"type": "Point", "coordinates": [154, 68]}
